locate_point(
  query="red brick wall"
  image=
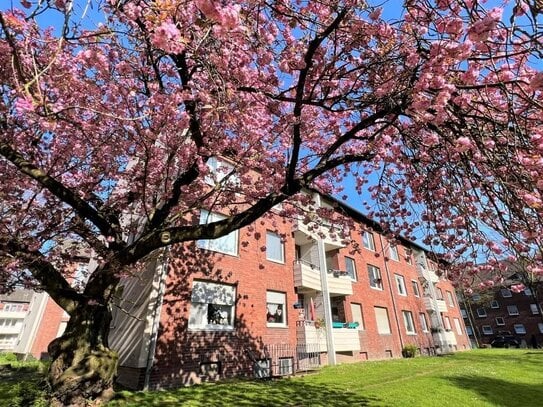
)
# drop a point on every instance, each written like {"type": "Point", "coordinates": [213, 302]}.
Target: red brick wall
{"type": "Point", "coordinates": [48, 329]}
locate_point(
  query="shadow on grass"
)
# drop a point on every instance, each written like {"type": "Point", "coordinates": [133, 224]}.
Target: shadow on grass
{"type": "Point", "coordinates": [22, 385]}
{"type": "Point", "coordinates": [285, 392]}
{"type": "Point", "coordinates": [501, 392]}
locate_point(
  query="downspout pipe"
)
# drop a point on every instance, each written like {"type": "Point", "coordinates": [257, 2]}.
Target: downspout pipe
{"type": "Point", "coordinates": [163, 273]}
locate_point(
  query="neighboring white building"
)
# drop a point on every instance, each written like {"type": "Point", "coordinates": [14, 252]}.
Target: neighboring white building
{"type": "Point", "coordinates": [14, 308]}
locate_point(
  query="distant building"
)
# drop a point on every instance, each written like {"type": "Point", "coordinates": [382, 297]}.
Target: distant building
{"type": "Point", "coordinates": [30, 320]}
{"type": "Point", "coordinates": [500, 311]}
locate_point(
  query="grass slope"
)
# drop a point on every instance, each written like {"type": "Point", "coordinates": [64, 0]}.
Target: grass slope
{"type": "Point", "coordinates": [476, 378]}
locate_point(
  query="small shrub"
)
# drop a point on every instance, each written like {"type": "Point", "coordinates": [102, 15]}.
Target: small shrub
{"type": "Point", "coordinates": [409, 351]}
{"type": "Point", "coordinates": [8, 357]}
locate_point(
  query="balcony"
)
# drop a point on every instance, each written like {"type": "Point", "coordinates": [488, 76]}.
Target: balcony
{"type": "Point", "coordinates": [332, 240]}
{"type": "Point", "coordinates": [307, 276]}
{"type": "Point", "coordinates": [11, 330]}
{"type": "Point", "coordinates": [429, 275]}
{"type": "Point", "coordinates": [435, 305]}
{"type": "Point", "coordinates": [339, 285]}
{"type": "Point", "coordinates": [345, 339]}
{"type": "Point", "coordinates": [307, 334]}
{"type": "Point", "coordinates": [13, 314]}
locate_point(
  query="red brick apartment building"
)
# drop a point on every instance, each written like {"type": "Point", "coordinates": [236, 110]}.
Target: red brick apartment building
{"type": "Point", "coordinates": [501, 311]}
{"type": "Point", "coordinates": [278, 297]}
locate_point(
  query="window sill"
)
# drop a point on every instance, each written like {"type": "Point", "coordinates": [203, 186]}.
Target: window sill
{"type": "Point", "coordinates": [272, 325]}
{"type": "Point", "coordinates": [276, 261]}
{"type": "Point", "coordinates": [212, 329]}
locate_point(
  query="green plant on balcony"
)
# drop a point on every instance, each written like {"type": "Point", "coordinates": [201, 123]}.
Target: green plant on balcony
{"type": "Point", "coordinates": [409, 351]}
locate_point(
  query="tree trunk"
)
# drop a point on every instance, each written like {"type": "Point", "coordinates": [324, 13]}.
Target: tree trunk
{"type": "Point", "coordinates": [83, 367]}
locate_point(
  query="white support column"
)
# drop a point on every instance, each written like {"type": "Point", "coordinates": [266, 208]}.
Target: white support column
{"type": "Point", "coordinates": [326, 297]}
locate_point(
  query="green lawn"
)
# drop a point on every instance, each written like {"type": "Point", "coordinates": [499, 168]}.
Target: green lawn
{"type": "Point", "coordinates": [477, 378]}
{"type": "Point", "coordinates": [486, 377]}
{"type": "Point", "coordinates": [22, 384]}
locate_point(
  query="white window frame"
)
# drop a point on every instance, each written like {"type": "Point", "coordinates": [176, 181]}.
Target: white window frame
{"type": "Point", "coordinates": [506, 293]}
{"type": "Point", "coordinates": [416, 289]}
{"type": "Point", "coordinates": [512, 309]}
{"type": "Point", "coordinates": [534, 308]}
{"type": "Point", "coordinates": [409, 323]}
{"type": "Point", "coordinates": [527, 291]}
{"type": "Point", "coordinates": [540, 326]}
{"type": "Point", "coordinates": [464, 313]}
{"type": "Point", "coordinates": [393, 253]}
{"type": "Point", "coordinates": [368, 240]}
{"type": "Point", "coordinates": [272, 237]}
{"type": "Point", "coordinates": [494, 304]}
{"type": "Point", "coordinates": [487, 330]}
{"type": "Point", "coordinates": [450, 298]}
{"type": "Point", "coordinates": [481, 314]}
{"type": "Point", "coordinates": [276, 300]}
{"type": "Point", "coordinates": [400, 285]}
{"type": "Point", "coordinates": [13, 307]}
{"type": "Point", "coordinates": [219, 169]}
{"type": "Point", "coordinates": [358, 318]}
{"type": "Point", "coordinates": [374, 275]}
{"type": "Point", "coordinates": [217, 245]}
{"type": "Point", "coordinates": [222, 299]}
{"type": "Point", "coordinates": [500, 321]}
{"type": "Point", "coordinates": [519, 329]}
{"type": "Point", "coordinates": [469, 330]}
{"type": "Point", "coordinates": [447, 323]}
{"type": "Point", "coordinates": [458, 326]}
{"type": "Point", "coordinates": [380, 313]}
{"type": "Point", "coordinates": [350, 260]}
{"type": "Point", "coordinates": [423, 322]}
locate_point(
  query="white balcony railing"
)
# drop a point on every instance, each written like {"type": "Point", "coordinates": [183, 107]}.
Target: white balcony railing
{"type": "Point", "coordinates": [307, 275]}
{"type": "Point", "coordinates": [345, 339]}
{"type": "Point", "coordinates": [331, 239]}
{"type": "Point", "coordinates": [13, 314]}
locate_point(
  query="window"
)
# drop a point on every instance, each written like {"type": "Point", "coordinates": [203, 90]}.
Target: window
{"type": "Point", "coordinates": [219, 170]}
{"type": "Point", "coordinates": [447, 323]}
{"type": "Point", "coordinates": [494, 304]}
{"type": "Point", "coordinates": [469, 330]}
{"type": "Point", "coordinates": [540, 326]}
{"type": "Point", "coordinates": [393, 253]}
{"type": "Point", "coordinates": [408, 322]}
{"type": "Point", "coordinates": [464, 313]}
{"type": "Point", "coordinates": [275, 249]}
{"type": "Point", "coordinates": [367, 240]}
{"type": "Point", "coordinates": [439, 293]}
{"type": "Point", "coordinates": [80, 276]}
{"type": "Point", "coordinates": [381, 315]}
{"type": "Point", "coordinates": [506, 293]}
{"type": "Point", "coordinates": [286, 366]}
{"type": "Point", "coordinates": [400, 284]}
{"type": "Point", "coordinates": [356, 311]}
{"type": "Point", "coordinates": [374, 275]}
{"type": "Point", "coordinates": [500, 321]}
{"type": "Point", "coordinates": [512, 310]}
{"type": "Point", "coordinates": [527, 291]}
{"type": "Point", "coordinates": [212, 306]}
{"type": "Point", "coordinates": [519, 329]}
{"type": "Point", "coordinates": [481, 312]}
{"type": "Point", "coordinates": [487, 330]}
{"type": "Point", "coordinates": [416, 290]}
{"type": "Point", "coordinates": [534, 308]}
{"type": "Point", "coordinates": [476, 298]}
{"type": "Point", "coordinates": [13, 307]}
{"type": "Point", "coordinates": [450, 299]}
{"type": "Point", "coordinates": [408, 259]}
{"type": "Point", "coordinates": [423, 322]}
{"type": "Point", "coordinates": [226, 244]}
{"type": "Point", "coordinates": [350, 268]}
{"type": "Point", "coordinates": [276, 309]}
{"type": "Point", "coordinates": [458, 326]}
{"type": "Point", "coordinates": [7, 341]}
